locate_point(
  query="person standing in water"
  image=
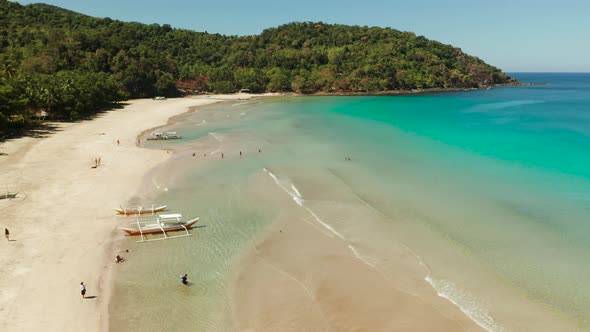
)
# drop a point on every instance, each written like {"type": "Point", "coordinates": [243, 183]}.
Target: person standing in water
{"type": "Point", "coordinates": [222, 155]}
{"type": "Point", "coordinates": [184, 279]}
{"type": "Point", "coordinates": [240, 153]}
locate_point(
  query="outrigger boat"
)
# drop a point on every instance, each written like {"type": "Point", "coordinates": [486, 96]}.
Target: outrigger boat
{"type": "Point", "coordinates": [140, 209]}
{"type": "Point", "coordinates": [8, 195]}
{"type": "Point", "coordinates": [164, 136]}
{"type": "Point", "coordinates": [162, 224]}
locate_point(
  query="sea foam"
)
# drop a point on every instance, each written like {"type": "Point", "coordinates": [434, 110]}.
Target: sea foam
{"type": "Point", "coordinates": [466, 302]}
{"type": "Point", "coordinates": [218, 137]}
{"type": "Point", "coordinates": [243, 103]}
{"type": "Point", "coordinates": [357, 255]}
{"type": "Point", "coordinates": [296, 195]}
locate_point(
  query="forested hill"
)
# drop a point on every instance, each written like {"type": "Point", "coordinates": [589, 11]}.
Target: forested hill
{"type": "Point", "coordinates": [69, 64]}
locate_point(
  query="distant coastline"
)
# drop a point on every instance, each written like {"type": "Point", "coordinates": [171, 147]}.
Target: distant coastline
{"type": "Point", "coordinates": [416, 91]}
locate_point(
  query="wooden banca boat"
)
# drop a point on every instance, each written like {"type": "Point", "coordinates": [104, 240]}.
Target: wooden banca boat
{"type": "Point", "coordinates": [10, 192]}
{"type": "Point", "coordinates": [163, 224]}
{"type": "Point", "coordinates": [140, 209]}
{"type": "Point", "coordinates": [164, 136]}
{"type": "Point", "coordinates": [8, 195]}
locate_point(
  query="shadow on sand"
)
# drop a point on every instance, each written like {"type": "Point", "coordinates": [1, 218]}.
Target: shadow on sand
{"type": "Point", "coordinates": [44, 128]}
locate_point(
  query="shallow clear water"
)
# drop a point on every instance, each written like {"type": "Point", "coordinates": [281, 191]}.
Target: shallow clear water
{"type": "Point", "coordinates": [490, 188]}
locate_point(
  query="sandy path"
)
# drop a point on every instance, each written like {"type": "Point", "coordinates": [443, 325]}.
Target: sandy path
{"type": "Point", "coordinates": [62, 223]}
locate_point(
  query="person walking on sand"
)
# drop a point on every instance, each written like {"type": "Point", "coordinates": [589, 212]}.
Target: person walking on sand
{"type": "Point", "coordinates": [83, 289]}
{"type": "Point", "coordinates": [222, 155]}
{"type": "Point", "coordinates": [118, 142]}
{"type": "Point", "coordinates": [184, 279]}
{"type": "Point", "coordinates": [7, 234]}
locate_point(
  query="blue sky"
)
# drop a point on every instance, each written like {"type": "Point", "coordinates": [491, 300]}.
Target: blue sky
{"type": "Point", "coordinates": [517, 35]}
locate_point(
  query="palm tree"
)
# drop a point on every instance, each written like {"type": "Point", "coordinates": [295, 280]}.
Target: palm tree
{"type": "Point", "coordinates": [7, 70]}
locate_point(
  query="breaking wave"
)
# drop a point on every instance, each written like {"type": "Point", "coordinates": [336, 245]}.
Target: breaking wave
{"type": "Point", "coordinates": [296, 195]}
{"type": "Point", "coordinates": [218, 137]}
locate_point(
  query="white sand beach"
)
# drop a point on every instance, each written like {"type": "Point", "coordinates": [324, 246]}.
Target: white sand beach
{"type": "Point", "coordinates": [62, 221]}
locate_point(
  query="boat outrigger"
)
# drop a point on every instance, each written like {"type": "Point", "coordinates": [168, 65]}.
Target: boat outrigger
{"type": "Point", "coordinates": [162, 224]}
{"type": "Point", "coordinates": [140, 209]}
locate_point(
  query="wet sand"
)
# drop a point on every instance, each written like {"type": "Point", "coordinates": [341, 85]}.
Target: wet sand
{"type": "Point", "coordinates": [303, 277]}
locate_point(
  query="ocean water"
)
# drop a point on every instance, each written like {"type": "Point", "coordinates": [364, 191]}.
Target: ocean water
{"type": "Point", "coordinates": [489, 189]}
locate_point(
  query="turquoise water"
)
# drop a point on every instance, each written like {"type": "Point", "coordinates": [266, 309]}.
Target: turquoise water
{"type": "Point", "coordinates": [490, 188]}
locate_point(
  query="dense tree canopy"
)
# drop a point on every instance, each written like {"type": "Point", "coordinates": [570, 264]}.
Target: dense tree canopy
{"type": "Point", "coordinates": [70, 65]}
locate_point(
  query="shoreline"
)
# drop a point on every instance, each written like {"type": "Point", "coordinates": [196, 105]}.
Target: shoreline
{"type": "Point", "coordinates": [42, 267]}
{"type": "Point", "coordinates": [431, 308]}
{"type": "Point", "coordinates": [30, 155]}
{"type": "Point", "coordinates": [413, 91]}
{"type": "Point", "coordinates": [257, 306]}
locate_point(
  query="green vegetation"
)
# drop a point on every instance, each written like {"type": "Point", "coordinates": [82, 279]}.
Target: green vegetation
{"type": "Point", "coordinates": [70, 65]}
